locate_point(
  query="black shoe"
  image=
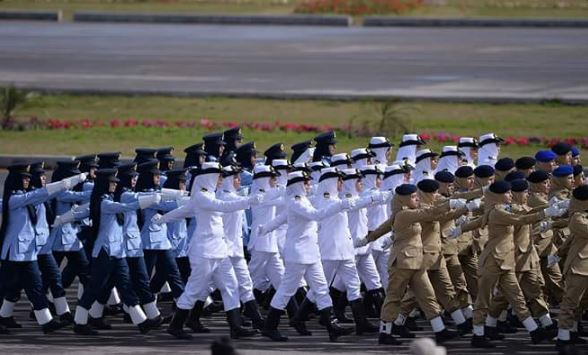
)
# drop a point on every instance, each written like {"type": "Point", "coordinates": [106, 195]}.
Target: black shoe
{"type": "Point", "coordinates": [9, 323]}
{"type": "Point", "coordinates": [127, 319]}
{"type": "Point", "coordinates": [388, 339]}
{"type": "Point", "coordinates": [194, 319]}
{"type": "Point", "coordinates": [402, 331]}
{"type": "Point", "coordinates": [270, 329]}
{"type": "Point", "coordinates": [165, 297]}
{"type": "Point", "coordinates": [84, 329]}
{"type": "Point", "coordinates": [506, 328]}
{"type": "Point", "coordinates": [481, 342]}
{"type": "Point", "coordinates": [551, 331]}
{"type": "Point", "coordinates": [339, 304]}
{"type": "Point", "coordinates": [237, 331]}
{"type": "Point", "coordinates": [576, 339]}
{"type": "Point", "coordinates": [566, 347]}
{"type": "Point", "coordinates": [252, 311]}
{"type": "Point", "coordinates": [492, 333]}
{"type": "Point", "coordinates": [66, 319]}
{"type": "Point", "coordinates": [333, 328]}
{"type": "Point", "coordinates": [167, 319]}
{"type": "Point", "coordinates": [445, 335]}
{"type": "Point", "coordinates": [197, 327]}
{"type": "Point", "coordinates": [176, 325]}
{"type": "Point", "coordinates": [412, 325]}
{"type": "Point", "coordinates": [99, 323]}
{"type": "Point", "coordinates": [514, 321]}
{"type": "Point", "coordinates": [464, 328]}
{"type": "Point", "coordinates": [113, 310]}
{"type": "Point", "coordinates": [155, 323]}
{"type": "Point", "coordinates": [144, 327]}
{"type": "Point", "coordinates": [4, 330]}
{"type": "Point", "coordinates": [539, 335]}
{"type": "Point", "coordinates": [298, 321]}
{"type": "Point", "coordinates": [52, 326]}
{"type": "Point", "coordinates": [362, 324]}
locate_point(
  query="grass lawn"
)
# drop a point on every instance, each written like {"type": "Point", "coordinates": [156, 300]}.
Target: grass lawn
{"type": "Point", "coordinates": [451, 8]}
{"type": "Point", "coordinates": [550, 120]}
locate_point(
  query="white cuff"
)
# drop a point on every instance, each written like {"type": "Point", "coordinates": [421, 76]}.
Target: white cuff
{"type": "Point", "coordinates": [61, 306]}
{"type": "Point", "coordinates": [81, 316]}
{"type": "Point", "coordinates": [7, 309]}
{"type": "Point", "coordinates": [151, 310]}
{"type": "Point", "coordinates": [458, 317]}
{"type": "Point", "coordinates": [43, 316]}
{"type": "Point", "coordinates": [437, 324]}
{"type": "Point", "coordinates": [491, 321]}
{"type": "Point", "coordinates": [80, 290]}
{"type": "Point", "coordinates": [385, 327]}
{"type": "Point", "coordinates": [97, 310]}
{"type": "Point", "coordinates": [114, 299]}
{"type": "Point", "coordinates": [530, 324]}
{"type": "Point", "coordinates": [137, 315]}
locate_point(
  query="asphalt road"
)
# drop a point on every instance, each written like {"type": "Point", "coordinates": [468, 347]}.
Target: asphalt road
{"type": "Point", "coordinates": [491, 63]}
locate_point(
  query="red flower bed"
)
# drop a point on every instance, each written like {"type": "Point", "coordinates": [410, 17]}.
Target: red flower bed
{"type": "Point", "coordinates": [358, 7]}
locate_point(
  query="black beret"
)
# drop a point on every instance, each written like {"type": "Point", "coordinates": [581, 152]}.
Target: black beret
{"type": "Point", "coordinates": [581, 193]}
{"type": "Point", "coordinates": [561, 148]}
{"type": "Point", "coordinates": [405, 189]}
{"type": "Point", "coordinates": [464, 171]}
{"type": "Point", "coordinates": [519, 185]}
{"type": "Point", "coordinates": [484, 171]}
{"type": "Point", "coordinates": [500, 187]}
{"type": "Point", "coordinates": [578, 169]}
{"type": "Point", "coordinates": [428, 185]}
{"type": "Point", "coordinates": [444, 176]}
{"type": "Point", "coordinates": [538, 176]}
{"type": "Point", "coordinates": [524, 163]}
{"type": "Point", "coordinates": [504, 164]}
{"type": "Point", "coordinates": [514, 175]}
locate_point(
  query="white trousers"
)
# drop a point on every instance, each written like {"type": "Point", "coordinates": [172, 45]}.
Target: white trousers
{"type": "Point", "coordinates": [344, 273]}
{"type": "Point", "coordinates": [243, 278]}
{"type": "Point", "coordinates": [205, 271]}
{"type": "Point", "coordinates": [315, 276]}
{"type": "Point", "coordinates": [266, 269]}
{"type": "Point", "coordinates": [368, 272]}
{"type": "Point", "coordinates": [381, 259]}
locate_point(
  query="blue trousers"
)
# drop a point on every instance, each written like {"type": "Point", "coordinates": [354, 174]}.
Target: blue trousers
{"type": "Point", "coordinates": [27, 275]}
{"type": "Point", "coordinates": [165, 262]}
{"type": "Point", "coordinates": [51, 275]}
{"type": "Point", "coordinates": [107, 272]}
{"type": "Point", "coordinates": [77, 265]}
{"type": "Point", "coordinates": [140, 279]}
{"type": "Point", "coordinates": [183, 266]}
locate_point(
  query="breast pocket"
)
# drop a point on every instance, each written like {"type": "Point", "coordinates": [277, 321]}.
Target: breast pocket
{"type": "Point", "coordinates": [25, 243]}
{"type": "Point", "coordinates": [412, 252]}
{"type": "Point", "coordinates": [134, 244]}
{"type": "Point", "coordinates": [42, 239]}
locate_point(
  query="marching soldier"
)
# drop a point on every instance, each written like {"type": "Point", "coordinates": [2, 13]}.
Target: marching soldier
{"type": "Point", "coordinates": [469, 147]}
{"type": "Point", "coordinates": [381, 146]}
{"type": "Point", "coordinates": [545, 160]}
{"type": "Point", "coordinates": [214, 146]}
{"type": "Point", "coordinates": [325, 147]}
{"type": "Point", "coordinates": [525, 165]}
{"type": "Point", "coordinates": [489, 149]}
{"type": "Point", "coordinates": [563, 152]}
{"type": "Point", "coordinates": [302, 152]}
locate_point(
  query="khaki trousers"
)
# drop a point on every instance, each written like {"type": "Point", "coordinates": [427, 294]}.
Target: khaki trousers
{"type": "Point", "coordinates": [575, 290]}
{"type": "Point", "coordinates": [458, 279]}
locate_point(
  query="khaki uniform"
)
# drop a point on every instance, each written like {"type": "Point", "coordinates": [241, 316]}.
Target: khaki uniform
{"type": "Point", "coordinates": [527, 270]}
{"type": "Point", "coordinates": [576, 270]}
{"type": "Point", "coordinates": [450, 249]}
{"type": "Point", "coordinates": [406, 261]}
{"type": "Point", "coordinates": [544, 244]}
{"type": "Point", "coordinates": [497, 262]}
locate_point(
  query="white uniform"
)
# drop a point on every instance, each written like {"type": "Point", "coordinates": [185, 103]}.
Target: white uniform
{"type": "Point", "coordinates": [302, 255]}
{"type": "Point", "coordinates": [208, 251]}
{"type": "Point", "coordinates": [449, 159]}
{"type": "Point", "coordinates": [488, 150]}
{"type": "Point", "coordinates": [423, 168]}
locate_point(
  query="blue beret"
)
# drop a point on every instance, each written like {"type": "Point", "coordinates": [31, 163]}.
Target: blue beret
{"type": "Point", "coordinates": [484, 171]}
{"type": "Point", "coordinates": [575, 152]}
{"type": "Point", "coordinates": [545, 156]}
{"type": "Point", "coordinates": [406, 189]}
{"type": "Point", "coordinates": [500, 187]}
{"type": "Point", "coordinates": [563, 170]}
{"type": "Point", "coordinates": [428, 185]}
{"type": "Point", "coordinates": [581, 192]}
{"type": "Point", "coordinates": [519, 185]}
{"type": "Point", "coordinates": [578, 169]}
{"type": "Point", "coordinates": [538, 176]}
{"type": "Point", "coordinates": [561, 148]}
{"type": "Point", "coordinates": [504, 164]}
{"type": "Point", "coordinates": [444, 176]}
{"type": "Point", "coordinates": [514, 175]}
{"type": "Point", "coordinates": [524, 163]}
{"type": "Point", "coordinates": [464, 171]}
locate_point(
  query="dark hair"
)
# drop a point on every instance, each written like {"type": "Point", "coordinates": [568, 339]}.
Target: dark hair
{"type": "Point", "coordinates": [98, 192]}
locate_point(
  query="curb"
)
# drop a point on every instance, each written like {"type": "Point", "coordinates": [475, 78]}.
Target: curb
{"type": "Point", "coordinates": [31, 15]}
{"type": "Point", "coordinates": [387, 21]}
{"type": "Point", "coordinates": [169, 18]}
{"type": "Point", "coordinates": [499, 99]}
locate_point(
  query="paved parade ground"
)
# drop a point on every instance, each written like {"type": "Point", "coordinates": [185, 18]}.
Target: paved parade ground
{"type": "Point", "coordinates": [482, 63]}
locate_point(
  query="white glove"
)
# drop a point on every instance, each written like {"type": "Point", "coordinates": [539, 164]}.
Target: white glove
{"type": "Point", "coordinates": [156, 219]}
{"type": "Point", "coordinates": [172, 194]}
{"type": "Point", "coordinates": [554, 211]}
{"type": "Point", "coordinates": [388, 241]}
{"type": "Point", "coordinates": [56, 187]}
{"type": "Point", "coordinates": [563, 205]}
{"type": "Point", "coordinates": [256, 199]}
{"type": "Point", "coordinates": [461, 220]}
{"type": "Point", "coordinates": [554, 200]}
{"type": "Point", "coordinates": [457, 203]}
{"type": "Point", "coordinates": [552, 260]}
{"type": "Point", "coordinates": [359, 243]}
{"type": "Point", "coordinates": [544, 226]}
{"type": "Point", "coordinates": [474, 204]}
{"type": "Point", "coordinates": [148, 200]}
{"type": "Point", "coordinates": [347, 203]}
{"type": "Point", "coordinates": [454, 233]}
{"type": "Point", "coordinates": [76, 179]}
{"type": "Point", "coordinates": [67, 217]}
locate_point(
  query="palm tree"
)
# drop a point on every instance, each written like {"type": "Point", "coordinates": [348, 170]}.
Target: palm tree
{"type": "Point", "coordinates": [11, 99]}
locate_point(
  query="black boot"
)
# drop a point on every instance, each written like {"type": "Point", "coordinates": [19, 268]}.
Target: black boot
{"type": "Point", "coordinates": [388, 339]}
{"type": "Point", "coordinates": [66, 319]}
{"type": "Point", "coordinates": [84, 329]}
{"type": "Point", "coordinates": [4, 330]}
{"type": "Point", "coordinates": [145, 326]}
{"type": "Point", "coordinates": [538, 335]}
{"type": "Point", "coordinates": [445, 335]}
{"type": "Point", "coordinates": [377, 296]}
{"type": "Point", "coordinates": [334, 329]}
{"type": "Point", "coordinates": [298, 321]}
{"type": "Point", "coordinates": [402, 331]}
{"type": "Point", "coordinates": [237, 331]}
{"type": "Point", "coordinates": [267, 298]}
{"type": "Point", "coordinates": [514, 321]}
{"type": "Point", "coordinates": [176, 326]}
{"type": "Point", "coordinates": [464, 328]}
{"type": "Point", "coordinates": [52, 326]}
{"type": "Point", "coordinates": [362, 324]}
{"type": "Point", "coordinates": [270, 328]}
{"type": "Point", "coordinates": [291, 308]}
{"type": "Point", "coordinates": [99, 323]}
{"type": "Point", "coordinates": [480, 341]}
{"type": "Point", "coordinates": [576, 339]}
{"type": "Point", "coordinates": [194, 319]}
{"type": "Point", "coordinates": [300, 295]}
{"type": "Point", "coordinates": [411, 324]}
{"type": "Point", "coordinates": [259, 296]}
{"type": "Point", "coordinates": [492, 333]}
{"type": "Point", "coordinates": [9, 323]}
{"type": "Point", "coordinates": [339, 305]}
{"type": "Point", "coordinates": [252, 311]}
{"type": "Point", "coordinates": [506, 328]}
{"type": "Point", "coordinates": [566, 347]}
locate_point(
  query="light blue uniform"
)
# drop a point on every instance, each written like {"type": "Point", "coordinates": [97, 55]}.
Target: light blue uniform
{"type": "Point", "coordinates": [154, 236]}
{"type": "Point", "coordinates": [66, 238]}
{"type": "Point", "coordinates": [110, 233]}
{"type": "Point", "coordinates": [131, 232]}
